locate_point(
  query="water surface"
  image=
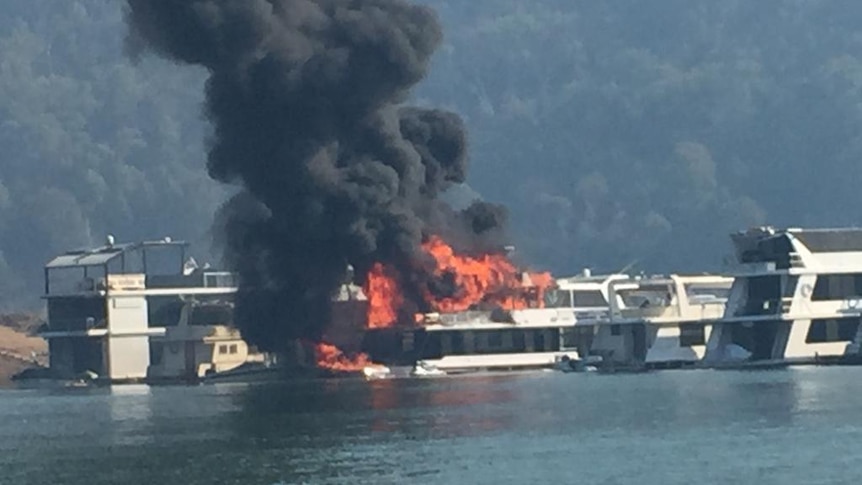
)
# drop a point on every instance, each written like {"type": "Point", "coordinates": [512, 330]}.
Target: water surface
{"type": "Point", "coordinates": [677, 427]}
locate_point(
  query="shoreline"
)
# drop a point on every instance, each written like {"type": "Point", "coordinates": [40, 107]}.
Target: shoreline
{"type": "Point", "coordinates": [16, 353]}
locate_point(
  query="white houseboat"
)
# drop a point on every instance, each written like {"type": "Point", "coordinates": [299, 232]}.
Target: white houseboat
{"type": "Point", "coordinates": [796, 299]}
{"type": "Point", "coordinates": [660, 321]}
{"type": "Point", "coordinates": [129, 312]}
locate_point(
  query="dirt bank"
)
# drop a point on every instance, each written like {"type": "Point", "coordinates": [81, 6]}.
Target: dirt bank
{"type": "Point", "coordinates": [17, 348]}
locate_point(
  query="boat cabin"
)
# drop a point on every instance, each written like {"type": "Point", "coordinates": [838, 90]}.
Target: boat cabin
{"type": "Point", "coordinates": [125, 312]}
{"type": "Point", "coordinates": [502, 339]}
{"type": "Point", "coordinates": [661, 321]}
{"type": "Point", "coordinates": [797, 298]}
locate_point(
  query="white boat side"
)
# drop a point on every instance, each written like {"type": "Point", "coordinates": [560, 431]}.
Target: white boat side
{"type": "Point", "coordinates": [454, 363]}
{"type": "Point", "coordinates": [661, 320]}
{"type": "Point", "coordinates": [796, 298]}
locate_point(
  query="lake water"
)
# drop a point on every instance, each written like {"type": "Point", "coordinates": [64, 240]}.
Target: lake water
{"type": "Point", "coordinates": [676, 427]}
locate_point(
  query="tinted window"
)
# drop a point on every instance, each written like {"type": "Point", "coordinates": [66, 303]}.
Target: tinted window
{"type": "Point", "coordinates": [589, 299]}
{"type": "Point", "coordinates": [837, 287]}
{"type": "Point", "coordinates": [832, 330]}
{"type": "Point", "coordinates": [691, 334]}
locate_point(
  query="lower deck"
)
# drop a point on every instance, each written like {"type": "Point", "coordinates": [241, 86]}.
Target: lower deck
{"type": "Point", "coordinates": [475, 347]}
{"type": "Point", "coordinates": [627, 345]}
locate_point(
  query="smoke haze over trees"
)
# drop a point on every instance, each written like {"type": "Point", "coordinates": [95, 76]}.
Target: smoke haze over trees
{"type": "Point", "coordinates": [612, 131]}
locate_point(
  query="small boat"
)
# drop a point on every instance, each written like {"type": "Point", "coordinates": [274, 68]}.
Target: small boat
{"type": "Point", "coordinates": [567, 364]}
{"type": "Point", "coordinates": [424, 369]}
{"type": "Point", "coordinates": [44, 378]}
{"type": "Point", "coordinates": [376, 371]}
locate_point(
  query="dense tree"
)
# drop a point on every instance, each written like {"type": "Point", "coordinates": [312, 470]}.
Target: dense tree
{"type": "Point", "coordinates": [614, 131]}
{"type": "Point", "coordinates": [91, 144]}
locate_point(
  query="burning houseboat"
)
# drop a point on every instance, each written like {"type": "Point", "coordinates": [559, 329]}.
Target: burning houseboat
{"type": "Point", "coordinates": [550, 323]}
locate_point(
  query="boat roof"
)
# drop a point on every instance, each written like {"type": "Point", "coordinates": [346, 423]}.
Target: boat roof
{"type": "Point", "coordinates": [572, 282]}
{"type": "Point", "coordinates": [829, 240]}
{"type": "Point", "coordinates": [816, 240]}
{"type": "Point", "coordinates": [104, 254]}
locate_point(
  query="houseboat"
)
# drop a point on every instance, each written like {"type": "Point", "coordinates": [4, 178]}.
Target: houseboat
{"type": "Point", "coordinates": [138, 311]}
{"type": "Point", "coordinates": [660, 321]}
{"type": "Point", "coordinates": [796, 299]}
{"type": "Point", "coordinates": [559, 330]}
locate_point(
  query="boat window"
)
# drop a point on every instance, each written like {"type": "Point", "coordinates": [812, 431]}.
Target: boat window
{"type": "Point", "coordinates": [763, 295]}
{"type": "Point", "coordinates": [164, 311]}
{"type": "Point", "coordinates": [701, 293]}
{"type": "Point", "coordinates": [538, 340]}
{"type": "Point", "coordinates": [469, 342]}
{"type": "Point", "coordinates": [233, 349]}
{"type": "Point", "coordinates": [76, 313]}
{"type": "Point", "coordinates": [431, 346]}
{"type": "Point", "coordinates": [220, 280]}
{"type": "Point", "coordinates": [570, 338]}
{"type": "Point", "coordinates": [558, 298]}
{"type": "Point", "coordinates": [837, 286]}
{"type": "Point", "coordinates": [222, 349]}
{"type": "Point", "coordinates": [211, 314]}
{"type": "Point", "coordinates": [458, 347]}
{"type": "Point", "coordinates": [211, 310]}
{"type": "Point", "coordinates": [495, 339]}
{"type": "Point", "coordinates": [579, 337]}
{"type": "Point", "coordinates": [646, 297]}
{"type": "Point", "coordinates": [832, 330]}
{"type": "Point", "coordinates": [790, 285]}
{"type": "Point", "coordinates": [692, 334]}
{"type": "Point", "coordinates": [519, 342]}
{"type": "Point", "coordinates": [593, 298]}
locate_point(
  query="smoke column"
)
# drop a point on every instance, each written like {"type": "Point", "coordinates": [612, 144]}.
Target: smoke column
{"type": "Point", "coordinates": [306, 99]}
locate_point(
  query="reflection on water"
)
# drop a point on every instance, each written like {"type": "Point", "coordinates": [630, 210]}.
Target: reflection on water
{"type": "Point", "coordinates": [667, 427]}
{"type": "Point", "coordinates": [341, 407]}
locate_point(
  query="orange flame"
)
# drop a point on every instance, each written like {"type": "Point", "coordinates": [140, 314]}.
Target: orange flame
{"type": "Point", "coordinates": [384, 297]}
{"type": "Point", "coordinates": [330, 357]}
{"type": "Point", "coordinates": [489, 279]}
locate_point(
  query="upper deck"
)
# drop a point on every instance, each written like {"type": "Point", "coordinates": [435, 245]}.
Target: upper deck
{"type": "Point", "coordinates": [155, 266]}
{"type": "Point", "coordinates": [669, 299]}
{"type": "Point", "coordinates": [581, 299]}
{"type": "Point", "coordinates": [765, 250]}
{"type": "Point", "coordinates": [586, 294]}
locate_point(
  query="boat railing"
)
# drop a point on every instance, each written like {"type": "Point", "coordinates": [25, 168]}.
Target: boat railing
{"type": "Point", "coordinates": [754, 268]}
{"type": "Point", "coordinates": [650, 312]}
{"type": "Point", "coordinates": [75, 324]}
{"type": "Point", "coordinates": [796, 261]}
{"type": "Point", "coordinates": [753, 308]}
{"type": "Point", "coordinates": [464, 317]}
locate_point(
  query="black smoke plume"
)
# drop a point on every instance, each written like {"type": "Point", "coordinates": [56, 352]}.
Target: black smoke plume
{"type": "Point", "coordinates": [306, 98]}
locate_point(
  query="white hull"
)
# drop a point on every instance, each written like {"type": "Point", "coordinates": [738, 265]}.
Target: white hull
{"type": "Point", "coordinates": [531, 360]}
{"type": "Point", "coordinates": [788, 345]}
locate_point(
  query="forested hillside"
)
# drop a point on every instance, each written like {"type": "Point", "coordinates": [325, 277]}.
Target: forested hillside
{"type": "Point", "coordinates": [91, 144]}
{"type": "Point", "coordinates": [614, 131]}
